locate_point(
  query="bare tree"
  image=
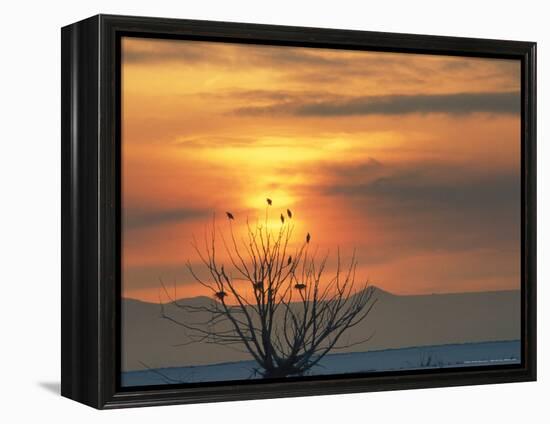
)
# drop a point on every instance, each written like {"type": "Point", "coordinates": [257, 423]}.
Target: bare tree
{"type": "Point", "coordinates": [273, 300]}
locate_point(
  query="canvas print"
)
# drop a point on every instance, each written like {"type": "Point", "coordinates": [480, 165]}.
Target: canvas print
{"type": "Point", "coordinates": [294, 212]}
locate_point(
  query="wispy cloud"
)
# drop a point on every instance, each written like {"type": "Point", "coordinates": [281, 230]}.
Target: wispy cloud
{"type": "Point", "coordinates": [455, 104]}
{"type": "Point", "coordinates": [136, 217]}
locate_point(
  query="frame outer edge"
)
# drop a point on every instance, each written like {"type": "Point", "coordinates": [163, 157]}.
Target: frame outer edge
{"type": "Point", "coordinates": [531, 209]}
{"type": "Point", "coordinates": [108, 169]}
{"type": "Point", "coordinates": [79, 207]}
{"type": "Point", "coordinates": [89, 201]}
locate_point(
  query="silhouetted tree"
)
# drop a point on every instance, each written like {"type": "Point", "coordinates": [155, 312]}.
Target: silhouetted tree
{"type": "Point", "coordinates": [275, 303]}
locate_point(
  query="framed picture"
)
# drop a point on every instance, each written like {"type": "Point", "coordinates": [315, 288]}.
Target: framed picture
{"type": "Point", "coordinates": [255, 211]}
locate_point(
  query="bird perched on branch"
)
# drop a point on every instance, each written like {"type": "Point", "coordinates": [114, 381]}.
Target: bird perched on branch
{"type": "Point", "coordinates": [289, 260]}
{"type": "Point", "coordinates": [230, 215]}
{"type": "Point", "coordinates": [299, 286]}
{"type": "Point", "coordinates": [308, 238]}
{"type": "Point", "coordinates": [289, 213]}
{"type": "Point", "coordinates": [269, 201]}
{"type": "Point", "coordinates": [282, 218]}
{"type": "Point", "coordinates": [221, 294]}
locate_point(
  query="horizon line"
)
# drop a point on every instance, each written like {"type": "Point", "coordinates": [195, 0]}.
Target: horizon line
{"type": "Point", "coordinates": [372, 287]}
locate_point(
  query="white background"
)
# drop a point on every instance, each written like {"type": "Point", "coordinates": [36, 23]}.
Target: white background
{"type": "Point", "coordinates": [30, 211]}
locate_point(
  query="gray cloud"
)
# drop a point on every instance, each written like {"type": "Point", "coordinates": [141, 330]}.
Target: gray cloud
{"type": "Point", "coordinates": [370, 167]}
{"type": "Point", "coordinates": [424, 190]}
{"type": "Point", "coordinates": [455, 104]}
{"type": "Point", "coordinates": [263, 95]}
{"type": "Point", "coordinates": [155, 51]}
{"type": "Point", "coordinates": [460, 103]}
{"type": "Point", "coordinates": [429, 206]}
{"type": "Point", "coordinates": [142, 217]}
{"type": "Point", "coordinates": [194, 52]}
{"type": "Point", "coordinates": [210, 142]}
{"type": "Point", "coordinates": [215, 141]}
{"type": "Point", "coordinates": [294, 56]}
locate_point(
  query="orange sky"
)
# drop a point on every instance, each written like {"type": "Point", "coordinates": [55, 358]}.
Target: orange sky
{"type": "Point", "coordinates": [414, 160]}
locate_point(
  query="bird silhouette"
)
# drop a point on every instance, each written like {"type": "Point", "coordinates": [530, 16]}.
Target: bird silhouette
{"type": "Point", "coordinates": [289, 213]}
{"type": "Point", "coordinates": [308, 238]}
{"type": "Point", "coordinates": [221, 294]}
{"type": "Point", "coordinates": [269, 201]}
{"type": "Point", "coordinates": [282, 218]}
{"type": "Point", "coordinates": [289, 260]}
{"type": "Point", "coordinates": [300, 286]}
{"type": "Point", "coordinates": [230, 215]}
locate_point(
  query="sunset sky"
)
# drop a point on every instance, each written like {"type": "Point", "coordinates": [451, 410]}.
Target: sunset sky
{"type": "Point", "coordinates": [413, 160]}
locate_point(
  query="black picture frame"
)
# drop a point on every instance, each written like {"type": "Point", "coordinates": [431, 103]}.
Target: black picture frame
{"type": "Point", "coordinates": [91, 197]}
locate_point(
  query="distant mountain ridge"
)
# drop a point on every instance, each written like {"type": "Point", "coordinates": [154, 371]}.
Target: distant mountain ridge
{"type": "Point", "coordinates": [396, 321]}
